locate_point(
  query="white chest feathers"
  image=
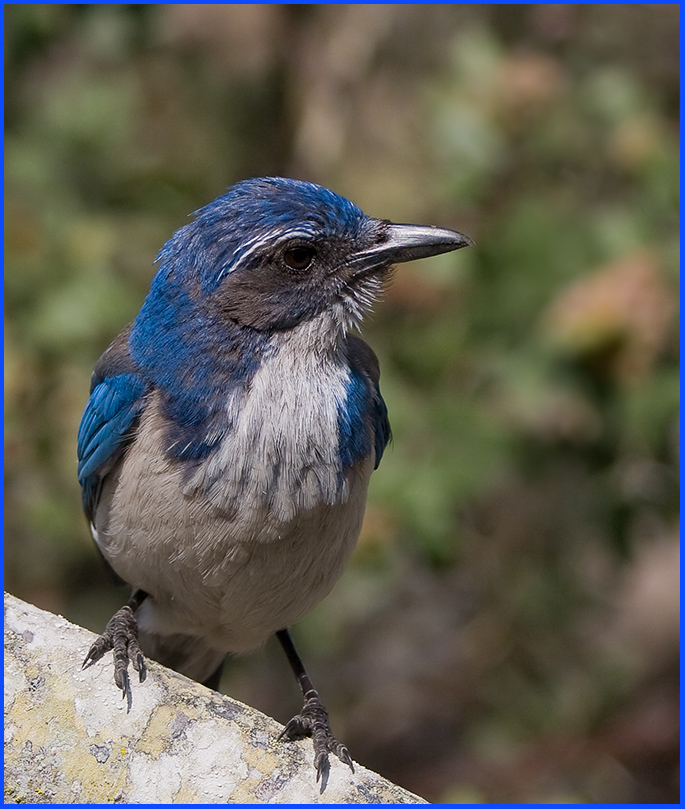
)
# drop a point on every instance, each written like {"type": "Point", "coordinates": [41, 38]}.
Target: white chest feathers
{"type": "Point", "coordinates": [282, 455]}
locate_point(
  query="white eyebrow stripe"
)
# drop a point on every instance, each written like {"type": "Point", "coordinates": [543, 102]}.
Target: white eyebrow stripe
{"type": "Point", "coordinates": [254, 244]}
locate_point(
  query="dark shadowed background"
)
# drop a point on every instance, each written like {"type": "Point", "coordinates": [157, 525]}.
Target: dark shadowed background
{"type": "Point", "coordinates": [507, 629]}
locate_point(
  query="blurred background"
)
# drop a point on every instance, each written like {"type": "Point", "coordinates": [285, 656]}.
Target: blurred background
{"type": "Point", "coordinates": [508, 628]}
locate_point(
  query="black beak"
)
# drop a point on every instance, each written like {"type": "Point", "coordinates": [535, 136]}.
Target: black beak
{"type": "Point", "coordinates": [409, 242]}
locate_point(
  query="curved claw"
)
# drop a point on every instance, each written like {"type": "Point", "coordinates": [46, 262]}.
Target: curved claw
{"type": "Point", "coordinates": [323, 768]}
{"type": "Point", "coordinates": [140, 667]}
{"type": "Point", "coordinates": [344, 755]}
{"type": "Point", "coordinates": [121, 678]}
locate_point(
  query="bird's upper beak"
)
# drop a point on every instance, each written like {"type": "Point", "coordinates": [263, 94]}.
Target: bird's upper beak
{"type": "Point", "coordinates": [409, 242]}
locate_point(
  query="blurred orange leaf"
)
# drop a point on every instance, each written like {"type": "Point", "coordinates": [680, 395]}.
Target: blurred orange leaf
{"type": "Point", "coordinates": [622, 310]}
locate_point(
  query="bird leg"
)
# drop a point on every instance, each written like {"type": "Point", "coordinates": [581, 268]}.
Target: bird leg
{"type": "Point", "coordinates": [313, 718]}
{"type": "Point", "coordinates": [121, 635]}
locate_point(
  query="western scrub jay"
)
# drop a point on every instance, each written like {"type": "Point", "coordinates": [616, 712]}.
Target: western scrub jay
{"type": "Point", "coordinates": [226, 447]}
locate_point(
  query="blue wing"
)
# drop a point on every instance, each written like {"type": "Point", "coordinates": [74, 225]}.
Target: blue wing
{"type": "Point", "coordinates": [117, 398]}
{"type": "Point", "coordinates": [364, 404]}
{"type": "Point", "coordinates": [382, 433]}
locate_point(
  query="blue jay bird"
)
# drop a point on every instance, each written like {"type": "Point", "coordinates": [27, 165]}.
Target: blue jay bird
{"type": "Point", "coordinates": [226, 447]}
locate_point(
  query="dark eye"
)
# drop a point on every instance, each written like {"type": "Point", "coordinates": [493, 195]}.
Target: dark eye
{"type": "Point", "coordinates": [298, 258]}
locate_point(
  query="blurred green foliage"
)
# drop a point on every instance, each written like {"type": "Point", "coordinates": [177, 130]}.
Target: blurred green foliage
{"type": "Point", "coordinates": [507, 630]}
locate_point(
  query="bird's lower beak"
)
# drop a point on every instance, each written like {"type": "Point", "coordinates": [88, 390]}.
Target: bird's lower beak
{"type": "Point", "coordinates": [409, 242]}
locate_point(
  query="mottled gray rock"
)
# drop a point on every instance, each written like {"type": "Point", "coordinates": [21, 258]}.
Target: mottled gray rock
{"type": "Point", "coordinates": [70, 738]}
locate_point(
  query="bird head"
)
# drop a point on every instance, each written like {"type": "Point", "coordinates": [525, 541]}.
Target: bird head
{"type": "Point", "coordinates": [272, 253]}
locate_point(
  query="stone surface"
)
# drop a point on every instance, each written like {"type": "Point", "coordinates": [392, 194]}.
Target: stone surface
{"type": "Point", "coordinates": [71, 738]}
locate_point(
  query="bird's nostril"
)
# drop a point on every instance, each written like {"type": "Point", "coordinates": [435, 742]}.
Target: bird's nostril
{"type": "Point", "coordinates": [382, 233]}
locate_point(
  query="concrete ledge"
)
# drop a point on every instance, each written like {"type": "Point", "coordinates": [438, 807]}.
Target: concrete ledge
{"type": "Point", "coordinates": [69, 737]}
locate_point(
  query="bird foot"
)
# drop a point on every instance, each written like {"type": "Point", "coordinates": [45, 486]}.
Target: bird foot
{"type": "Point", "coordinates": [313, 721]}
{"type": "Point", "coordinates": [121, 635]}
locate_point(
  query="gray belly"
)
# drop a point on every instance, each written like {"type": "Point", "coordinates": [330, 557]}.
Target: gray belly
{"type": "Point", "coordinates": [231, 576]}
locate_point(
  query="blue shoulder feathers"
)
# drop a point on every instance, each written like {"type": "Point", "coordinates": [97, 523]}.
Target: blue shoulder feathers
{"type": "Point", "coordinates": [117, 397]}
{"type": "Point", "coordinates": [363, 423]}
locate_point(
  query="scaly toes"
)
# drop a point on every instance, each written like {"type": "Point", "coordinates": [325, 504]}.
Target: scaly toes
{"type": "Point", "coordinates": [297, 728]}
{"type": "Point", "coordinates": [120, 635]}
{"type": "Point", "coordinates": [97, 650]}
{"type": "Point", "coordinates": [313, 721]}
